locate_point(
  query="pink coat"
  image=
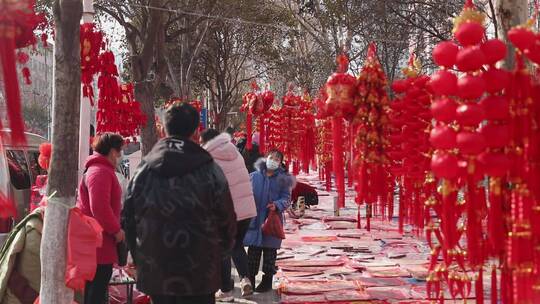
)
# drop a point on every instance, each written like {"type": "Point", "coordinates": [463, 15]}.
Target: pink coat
{"type": "Point", "coordinates": [232, 163]}
{"type": "Point", "coordinates": [99, 197]}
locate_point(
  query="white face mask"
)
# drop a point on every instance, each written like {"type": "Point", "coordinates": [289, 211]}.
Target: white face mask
{"type": "Point", "coordinates": [271, 164]}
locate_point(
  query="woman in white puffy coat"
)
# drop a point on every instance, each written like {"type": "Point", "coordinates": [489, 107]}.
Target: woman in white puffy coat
{"type": "Point", "coordinates": [232, 163]}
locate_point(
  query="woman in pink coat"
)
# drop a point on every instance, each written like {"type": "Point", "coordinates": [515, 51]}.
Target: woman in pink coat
{"type": "Point", "coordinates": [99, 197]}
{"type": "Point", "coordinates": [226, 155]}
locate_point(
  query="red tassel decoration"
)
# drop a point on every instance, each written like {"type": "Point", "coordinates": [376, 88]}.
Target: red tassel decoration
{"type": "Point", "coordinates": [11, 89]}
{"type": "Point", "coordinates": [479, 287]}
{"type": "Point", "coordinates": [249, 130]}
{"type": "Point", "coordinates": [337, 131]}
{"type": "Point", "coordinates": [494, 290]}
{"type": "Point", "coordinates": [262, 134]}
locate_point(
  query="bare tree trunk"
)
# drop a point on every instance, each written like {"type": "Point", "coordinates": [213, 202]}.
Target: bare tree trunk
{"type": "Point", "coordinates": [143, 93]}
{"type": "Point", "coordinates": [65, 140]}
{"type": "Point", "coordinates": [142, 61]}
{"type": "Point", "coordinates": [509, 14]}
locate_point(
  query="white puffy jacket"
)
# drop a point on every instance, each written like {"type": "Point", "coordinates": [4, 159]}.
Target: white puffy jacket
{"type": "Point", "coordinates": [232, 163]}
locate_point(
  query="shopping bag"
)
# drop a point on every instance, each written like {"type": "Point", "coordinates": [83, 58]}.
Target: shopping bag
{"type": "Point", "coordinates": [84, 237]}
{"type": "Point", "coordinates": [273, 226]}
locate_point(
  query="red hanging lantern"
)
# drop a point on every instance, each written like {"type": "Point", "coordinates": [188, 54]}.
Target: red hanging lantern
{"type": "Point", "coordinates": [445, 54]}
{"type": "Point", "coordinates": [443, 137]}
{"type": "Point", "coordinates": [17, 23]}
{"type": "Point", "coordinates": [470, 114]}
{"type": "Point", "coordinates": [444, 165]}
{"type": "Point", "coordinates": [494, 51]}
{"type": "Point", "coordinates": [340, 88]}
{"type": "Point", "coordinates": [496, 80]}
{"type": "Point", "coordinates": [444, 109]}
{"type": "Point", "coordinates": [471, 87]}
{"type": "Point", "coordinates": [443, 83]}
{"type": "Point", "coordinates": [469, 25]}
{"type": "Point", "coordinates": [522, 37]}
{"type": "Point", "coordinates": [470, 59]}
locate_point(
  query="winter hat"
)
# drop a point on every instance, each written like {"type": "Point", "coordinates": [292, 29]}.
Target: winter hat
{"type": "Point", "coordinates": [45, 150]}
{"type": "Point", "coordinates": [255, 138]}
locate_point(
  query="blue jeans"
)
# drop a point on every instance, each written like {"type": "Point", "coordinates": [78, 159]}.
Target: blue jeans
{"type": "Point", "coordinates": [239, 257]}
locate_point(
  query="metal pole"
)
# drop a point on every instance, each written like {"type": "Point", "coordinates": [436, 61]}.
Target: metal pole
{"type": "Point", "coordinates": [85, 115]}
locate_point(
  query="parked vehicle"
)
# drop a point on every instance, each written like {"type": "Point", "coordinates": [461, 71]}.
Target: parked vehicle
{"type": "Point", "coordinates": [18, 170]}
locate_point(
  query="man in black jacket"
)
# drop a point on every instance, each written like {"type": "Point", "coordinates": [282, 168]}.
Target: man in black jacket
{"type": "Point", "coordinates": [179, 217]}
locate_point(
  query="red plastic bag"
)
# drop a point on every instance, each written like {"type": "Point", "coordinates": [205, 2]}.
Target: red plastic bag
{"type": "Point", "coordinates": [38, 301]}
{"type": "Point", "coordinates": [84, 236]}
{"type": "Point", "coordinates": [273, 226]}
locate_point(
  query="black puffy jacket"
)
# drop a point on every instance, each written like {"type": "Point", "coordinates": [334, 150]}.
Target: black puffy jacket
{"type": "Point", "coordinates": [179, 220]}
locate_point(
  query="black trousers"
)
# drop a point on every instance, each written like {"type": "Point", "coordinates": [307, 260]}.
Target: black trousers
{"type": "Point", "coordinates": [95, 291]}
{"type": "Point", "coordinates": [269, 260]}
{"type": "Point", "coordinates": [204, 299]}
{"type": "Point", "coordinates": [239, 257]}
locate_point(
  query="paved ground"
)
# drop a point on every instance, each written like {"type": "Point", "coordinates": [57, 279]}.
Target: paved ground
{"type": "Point", "coordinates": [266, 298]}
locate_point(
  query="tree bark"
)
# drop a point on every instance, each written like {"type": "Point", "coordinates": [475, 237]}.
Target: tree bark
{"type": "Point", "coordinates": [142, 60]}
{"type": "Point", "coordinates": [509, 14]}
{"type": "Point", "coordinates": [64, 162]}
{"type": "Point", "coordinates": [143, 93]}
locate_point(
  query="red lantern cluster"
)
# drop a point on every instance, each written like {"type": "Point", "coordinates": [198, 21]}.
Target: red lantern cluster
{"type": "Point", "coordinates": [471, 136]}
{"type": "Point", "coordinates": [410, 118]}
{"type": "Point", "coordinates": [370, 123]}
{"type": "Point", "coordinates": [91, 43]}
{"type": "Point", "coordinates": [339, 93]}
{"type": "Point", "coordinates": [18, 21]}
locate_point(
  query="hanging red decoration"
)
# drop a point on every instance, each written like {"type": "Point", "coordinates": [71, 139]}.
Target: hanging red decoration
{"type": "Point", "coordinates": [91, 40]}
{"type": "Point", "coordinates": [109, 95]}
{"type": "Point", "coordinates": [470, 59]}
{"type": "Point", "coordinates": [469, 25]}
{"type": "Point", "coordinates": [443, 83]}
{"type": "Point", "coordinates": [408, 150]}
{"type": "Point", "coordinates": [371, 122]}
{"type": "Point", "coordinates": [444, 109]}
{"type": "Point", "coordinates": [256, 104]}
{"type": "Point", "coordinates": [339, 104]}
{"type": "Point", "coordinates": [130, 115]}
{"type": "Point", "coordinates": [445, 54]}
{"type": "Point", "coordinates": [494, 51]}
{"type": "Point", "coordinates": [17, 23]}
{"type": "Point", "coordinates": [340, 88]}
